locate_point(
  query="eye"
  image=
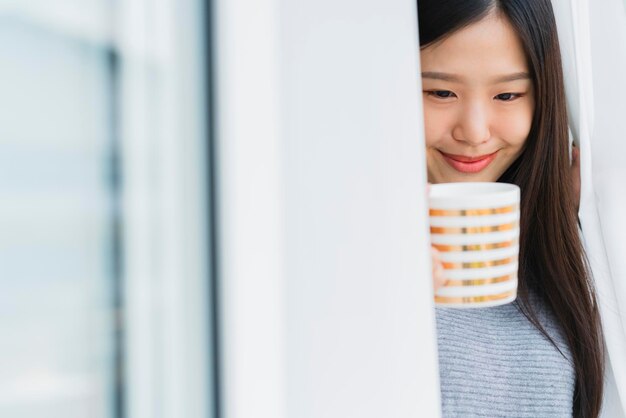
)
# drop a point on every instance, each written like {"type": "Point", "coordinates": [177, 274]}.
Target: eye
{"type": "Point", "coordinates": [441, 94]}
{"type": "Point", "coordinates": [508, 97]}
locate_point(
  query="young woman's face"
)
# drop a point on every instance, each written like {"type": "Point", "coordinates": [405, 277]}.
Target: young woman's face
{"type": "Point", "coordinates": [478, 102]}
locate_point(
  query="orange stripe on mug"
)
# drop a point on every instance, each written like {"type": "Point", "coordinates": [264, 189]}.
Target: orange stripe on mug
{"type": "Point", "coordinates": [472, 229]}
{"type": "Point", "coordinates": [473, 212]}
{"type": "Point", "coordinates": [475, 299]}
{"type": "Point", "coordinates": [475, 247]}
{"type": "Point", "coordinates": [478, 264]}
{"type": "Point", "coordinates": [480, 282]}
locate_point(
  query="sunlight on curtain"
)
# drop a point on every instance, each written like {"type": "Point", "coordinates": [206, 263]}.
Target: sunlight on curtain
{"type": "Point", "coordinates": [608, 53]}
{"type": "Point", "coordinates": [593, 42]}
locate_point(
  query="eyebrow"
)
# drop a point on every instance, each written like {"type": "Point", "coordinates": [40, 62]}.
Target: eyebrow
{"type": "Point", "coordinates": [441, 76]}
{"type": "Point", "coordinates": [522, 75]}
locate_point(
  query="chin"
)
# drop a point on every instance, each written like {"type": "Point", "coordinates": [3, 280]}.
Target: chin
{"type": "Point", "coordinates": [459, 178]}
{"type": "Point", "coordinates": [449, 175]}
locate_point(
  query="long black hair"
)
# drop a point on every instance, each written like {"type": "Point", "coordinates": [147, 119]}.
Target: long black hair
{"type": "Point", "coordinates": [552, 261]}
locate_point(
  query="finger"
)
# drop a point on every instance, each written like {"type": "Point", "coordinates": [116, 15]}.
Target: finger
{"type": "Point", "coordinates": [438, 271]}
{"type": "Point", "coordinates": [439, 278]}
{"type": "Point", "coordinates": [575, 156]}
{"type": "Point", "coordinates": [575, 175]}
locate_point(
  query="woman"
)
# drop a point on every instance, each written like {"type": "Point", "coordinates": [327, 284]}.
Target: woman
{"type": "Point", "coordinates": [494, 110]}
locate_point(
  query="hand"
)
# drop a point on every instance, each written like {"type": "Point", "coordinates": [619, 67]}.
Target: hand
{"type": "Point", "coordinates": [575, 175]}
{"type": "Point", "coordinates": [438, 279]}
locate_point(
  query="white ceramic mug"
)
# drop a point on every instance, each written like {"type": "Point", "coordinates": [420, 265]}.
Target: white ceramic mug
{"type": "Point", "coordinates": [475, 227]}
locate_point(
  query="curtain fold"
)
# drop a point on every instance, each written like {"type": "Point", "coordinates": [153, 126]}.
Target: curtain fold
{"type": "Point", "coordinates": [591, 36]}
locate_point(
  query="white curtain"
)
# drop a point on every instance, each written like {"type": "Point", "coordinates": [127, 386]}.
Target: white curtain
{"type": "Point", "coordinates": [593, 36]}
{"type": "Point", "coordinates": [326, 296]}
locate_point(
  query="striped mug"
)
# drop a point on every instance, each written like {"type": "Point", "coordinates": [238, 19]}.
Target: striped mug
{"type": "Point", "coordinates": [475, 227]}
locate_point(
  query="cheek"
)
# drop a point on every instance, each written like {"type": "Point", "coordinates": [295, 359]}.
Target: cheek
{"type": "Point", "coordinates": [515, 127]}
{"type": "Point", "coordinates": [435, 125]}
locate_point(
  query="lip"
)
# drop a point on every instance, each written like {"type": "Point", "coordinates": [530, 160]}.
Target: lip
{"type": "Point", "coordinates": [469, 164]}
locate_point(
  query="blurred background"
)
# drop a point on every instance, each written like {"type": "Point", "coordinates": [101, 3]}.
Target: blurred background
{"type": "Point", "coordinates": [60, 249]}
{"type": "Point", "coordinates": [103, 158]}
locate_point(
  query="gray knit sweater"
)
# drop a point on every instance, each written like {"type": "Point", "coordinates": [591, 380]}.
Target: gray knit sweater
{"type": "Point", "coordinates": [494, 363]}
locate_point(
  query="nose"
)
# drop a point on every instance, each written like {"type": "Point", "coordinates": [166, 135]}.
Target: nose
{"type": "Point", "coordinates": [473, 124]}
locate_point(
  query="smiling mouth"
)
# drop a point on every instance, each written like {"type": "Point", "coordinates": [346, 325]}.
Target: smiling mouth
{"type": "Point", "coordinates": [467, 164]}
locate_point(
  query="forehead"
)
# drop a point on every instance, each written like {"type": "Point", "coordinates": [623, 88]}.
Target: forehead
{"type": "Point", "coordinates": [487, 48]}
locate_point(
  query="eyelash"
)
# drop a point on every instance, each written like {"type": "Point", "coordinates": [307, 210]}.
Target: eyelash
{"type": "Point", "coordinates": [514, 96]}
{"type": "Point", "coordinates": [436, 94]}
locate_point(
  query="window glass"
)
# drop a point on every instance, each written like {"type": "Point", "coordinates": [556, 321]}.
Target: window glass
{"type": "Point", "coordinates": [58, 246]}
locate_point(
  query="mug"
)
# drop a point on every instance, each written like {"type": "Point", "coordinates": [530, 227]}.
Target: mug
{"type": "Point", "coordinates": [475, 227]}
